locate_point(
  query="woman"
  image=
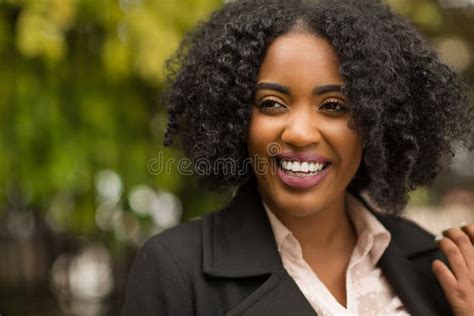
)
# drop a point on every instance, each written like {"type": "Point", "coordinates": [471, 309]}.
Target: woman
{"type": "Point", "coordinates": [326, 100]}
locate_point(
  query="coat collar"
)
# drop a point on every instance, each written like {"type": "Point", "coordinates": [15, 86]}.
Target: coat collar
{"type": "Point", "coordinates": [401, 235]}
{"type": "Point", "coordinates": [238, 242]}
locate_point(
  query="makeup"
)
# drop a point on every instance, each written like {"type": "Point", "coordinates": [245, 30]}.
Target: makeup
{"type": "Point", "coordinates": [302, 180]}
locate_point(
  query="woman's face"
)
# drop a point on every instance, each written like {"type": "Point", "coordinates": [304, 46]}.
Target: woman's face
{"type": "Point", "coordinates": [300, 113]}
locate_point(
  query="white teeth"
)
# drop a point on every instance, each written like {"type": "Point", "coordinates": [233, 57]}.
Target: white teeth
{"type": "Point", "coordinates": [296, 166]}
{"type": "Point", "coordinates": [318, 166]}
{"type": "Point", "coordinates": [304, 166]}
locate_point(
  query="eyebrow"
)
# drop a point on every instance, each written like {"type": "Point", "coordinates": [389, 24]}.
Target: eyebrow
{"type": "Point", "coordinates": [286, 90]}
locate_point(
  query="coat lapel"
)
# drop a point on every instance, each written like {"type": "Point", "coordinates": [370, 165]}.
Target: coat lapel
{"type": "Point", "coordinates": [411, 285]}
{"type": "Point", "coordinates": [238, 242]}
{"type": "Point", "coordinates": [411, 279]}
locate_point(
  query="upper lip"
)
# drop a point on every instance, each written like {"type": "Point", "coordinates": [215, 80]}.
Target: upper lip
{"type": "Point", "coordinates": [308, 157]}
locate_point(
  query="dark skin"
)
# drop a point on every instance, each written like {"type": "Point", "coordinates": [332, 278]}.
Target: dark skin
{"type": "Point", "coordinates": [458, 279]}
{"type": "Point", "coordinates": [300, 120]}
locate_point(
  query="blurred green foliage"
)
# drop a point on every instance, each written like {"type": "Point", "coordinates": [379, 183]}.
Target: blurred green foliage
{"type": "Point", "coordinates": [79, 80]}
{"type": "Point", "coordinates": [78, 115]}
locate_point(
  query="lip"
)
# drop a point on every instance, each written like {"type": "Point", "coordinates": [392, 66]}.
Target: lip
{"type": "Point", "coordinates": [302, 182]}
{"type": "Point", "coordinates": [308, 157]}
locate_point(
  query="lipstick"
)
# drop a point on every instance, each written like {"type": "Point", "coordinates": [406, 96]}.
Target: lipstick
{"type": "Point", "coordinates": [300, 179]}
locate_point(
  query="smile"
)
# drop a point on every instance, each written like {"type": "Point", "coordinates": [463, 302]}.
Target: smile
{"type": "Point", "coordinates": [302, 174]}
{"type": "Point", "coordinates": [302, 167]}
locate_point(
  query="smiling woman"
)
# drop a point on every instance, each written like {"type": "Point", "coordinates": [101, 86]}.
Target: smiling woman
{"type": "Point", "coordinates": [299, 106]}
{"type": "Point", "coordinates": [328, 101]}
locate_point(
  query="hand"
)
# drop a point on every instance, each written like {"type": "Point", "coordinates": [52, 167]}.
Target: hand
{"type": "Point", "coordinates": [457, 282]}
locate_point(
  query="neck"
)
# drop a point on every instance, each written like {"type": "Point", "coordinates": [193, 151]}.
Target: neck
{"type": "Point", "coordinates": [327, 231]}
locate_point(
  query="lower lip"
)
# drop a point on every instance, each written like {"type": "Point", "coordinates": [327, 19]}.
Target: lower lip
{"type": "Point", "coordinates": [302, 182]}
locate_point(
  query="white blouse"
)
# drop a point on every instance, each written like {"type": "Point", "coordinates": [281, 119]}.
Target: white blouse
{"type": "Point", "coordinates": [367, 290]}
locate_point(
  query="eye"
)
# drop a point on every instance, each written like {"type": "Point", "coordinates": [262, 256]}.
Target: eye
{"type": "Point", "coordinates": [269, 105]}
{"type": "Point", "coordinates": [335, 106]}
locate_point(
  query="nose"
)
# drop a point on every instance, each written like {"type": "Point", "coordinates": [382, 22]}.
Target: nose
{"type": "Point", "coordinates": [301, 130]}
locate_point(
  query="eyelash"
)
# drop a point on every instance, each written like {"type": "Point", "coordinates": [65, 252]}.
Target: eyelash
{"type": "Point", "coordinates": [269, 109]}
{"type": "Point", "coordinates": [341, 105]}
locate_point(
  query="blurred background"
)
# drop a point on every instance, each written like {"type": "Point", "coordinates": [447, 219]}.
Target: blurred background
{"type": "Point", "coordinates": [81, 132]}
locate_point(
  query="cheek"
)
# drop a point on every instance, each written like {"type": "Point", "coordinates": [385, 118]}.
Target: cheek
{"type": "Point", "coordinates": [262, 132]}
{"type": "Point", "coordinates": [346, 142]}
{"type": "Point", "coordinates": [352, 149]}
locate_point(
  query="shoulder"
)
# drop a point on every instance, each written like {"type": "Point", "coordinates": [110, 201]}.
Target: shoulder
{"type": "Point", "coordinates": [160, 277]}
{"type": "Point", "coordinates": [404, 230]}
{"type": "Point", "coordinates": [405, 234]}
{"type": "Point", "coordinates": [415, 242]}
{"type": "Point", "coordinates": [184, 232]}
{"type": "Point", "coordinates": [182, 243]}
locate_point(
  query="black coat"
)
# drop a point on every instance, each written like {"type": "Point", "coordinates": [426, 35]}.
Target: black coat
{"type": "Point", "coordinates": [227, 263]}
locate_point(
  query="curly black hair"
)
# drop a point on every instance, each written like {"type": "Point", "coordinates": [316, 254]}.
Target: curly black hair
{"type": "Point", "coordinates": [410, 109]}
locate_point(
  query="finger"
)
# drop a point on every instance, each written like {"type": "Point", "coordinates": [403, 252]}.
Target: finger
{"type": "Point", "coordinates": [456, 260]}
{"type": "Point", "coordinates": [444, 275]}
{"type": "Point", "coordinates": [463, 242]}
{"type": "Point", "coordinates": [469, 230]}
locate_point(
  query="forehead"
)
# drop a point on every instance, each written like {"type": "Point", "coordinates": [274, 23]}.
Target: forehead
{"type": "Point", "coordinates": [300, 57]}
